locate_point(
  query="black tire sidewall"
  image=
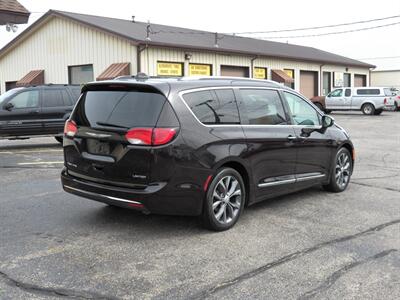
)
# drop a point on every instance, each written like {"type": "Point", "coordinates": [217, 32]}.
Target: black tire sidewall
{"type": "Point", "coordinates": [208, 214]}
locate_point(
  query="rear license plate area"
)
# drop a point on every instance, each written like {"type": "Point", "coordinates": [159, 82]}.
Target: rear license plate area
{"type": "Point", "coordinates": [98, 147]}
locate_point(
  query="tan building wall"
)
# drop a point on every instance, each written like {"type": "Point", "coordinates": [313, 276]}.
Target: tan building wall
{"type": "Point", "coordinates": [386, 78]}
{"type": "Point", "coordinates": [151, 56]}
{"type": "Point", "coordinates": [60, 43]}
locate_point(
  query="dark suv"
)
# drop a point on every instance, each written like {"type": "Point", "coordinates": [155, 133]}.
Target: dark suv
{"type": "Point", "coordinates": [38, 110]}
{"type": "Point", "coordinates": [204, 146]}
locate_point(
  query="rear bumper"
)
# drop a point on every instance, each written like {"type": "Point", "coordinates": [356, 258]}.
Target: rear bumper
{"type": "Point", "coordinates": [159, 198]}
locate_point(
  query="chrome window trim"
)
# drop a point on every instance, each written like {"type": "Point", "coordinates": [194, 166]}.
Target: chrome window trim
{"type": "Point", "coordinates": [101, 195]}
{"type": "Point", "coordinates": [181, 93]}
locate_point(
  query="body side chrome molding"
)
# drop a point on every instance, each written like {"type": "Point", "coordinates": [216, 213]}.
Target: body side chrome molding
{"type": "Point", "coordinates": [289, 181]}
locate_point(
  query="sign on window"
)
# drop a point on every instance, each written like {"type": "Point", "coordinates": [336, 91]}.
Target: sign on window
{"type": "Point", "coordinates": [199, 70]}
{"type": "Point", "coordinates": [169, 69]}
{"type": "Point", "coordinates": [260, 73]}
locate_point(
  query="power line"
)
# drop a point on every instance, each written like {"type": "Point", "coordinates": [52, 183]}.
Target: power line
{"type": "Point", "coordinates": [328, 33]}
{"type": "Point", "coordinates": [381, 57]}
{"type": "Point", "coordinates": [318, 27]}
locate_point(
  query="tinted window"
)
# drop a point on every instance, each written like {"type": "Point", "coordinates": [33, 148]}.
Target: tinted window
{"type": "Point", "coordinates": [52, 98]}
{"type": "Point", "coordinates": [302, 112]}
{"type": "Point", "coordinates": [26, 99]}
{"type": "Point", "coordinates": [368, 92]}
{"type": "Point", "coordinates": [214, 107]}
{"type": "Point", "coordinates": [66, 98]}
{"type": "Point", "coordinates": [347, 93]}
{"type": "Point", "coordinates": [336, 93]}
{"type": "Point", "coordinates": [121, 108]}
{"type": "Point", "coordinates": [262, 107]}
{"type": "Point", "coordinates": [76, 92]}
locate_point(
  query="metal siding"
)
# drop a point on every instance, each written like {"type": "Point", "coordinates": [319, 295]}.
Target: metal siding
{"type": "Point", "coordinates": [60, 43]}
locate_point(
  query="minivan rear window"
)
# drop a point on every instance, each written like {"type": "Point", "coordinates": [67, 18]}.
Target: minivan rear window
{"type": "Point", "coordinates": [125, 109]}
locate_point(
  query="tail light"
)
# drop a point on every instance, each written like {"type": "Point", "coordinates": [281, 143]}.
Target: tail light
{"type": "Point", "coordinates": [70, 128]}
{"type": "Point", "coordinates": [385, 101]}
{"type": "Point", "coordinates": [398, 97]}
{"type": "Point", "coordinates": [150, 136]}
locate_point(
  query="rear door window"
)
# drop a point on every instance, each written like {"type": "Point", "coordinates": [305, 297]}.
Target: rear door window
{"type": "Point", "coordinates": [214, 106]}
{"type": "Point", "coordinates": [124, 109]}
{"type": "Point", "coordinates": [52, 98]}
{"type": "Point", "coordinates": [262, 107]}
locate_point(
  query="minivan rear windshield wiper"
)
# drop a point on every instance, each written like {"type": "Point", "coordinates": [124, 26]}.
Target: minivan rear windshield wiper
{"type": "Point", "coordinates": [111, 125]}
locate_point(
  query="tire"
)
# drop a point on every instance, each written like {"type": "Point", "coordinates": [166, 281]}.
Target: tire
{"type": "Point", "coordinates": [378, 112]}
{"type": "Point", "coordinates": [341, 172]}
{"type": "Point", "coordinates": [396, 106]}
{"type": "Point", "coordinates": [221, 211]}
{"type": "Point", "coordinates": [368, 109]}
{"type": "Point", "coordinates": [59, 139]}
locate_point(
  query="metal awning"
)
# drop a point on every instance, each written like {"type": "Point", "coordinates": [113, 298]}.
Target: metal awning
{"type": "Point", "coordinates": [114, 70]}
{"type": "Point", "coordinates": [11, 11]}
{"type": "Point", "coordinates": [281, 76]}
{"type": "Point", "coordinates": [35, 77]}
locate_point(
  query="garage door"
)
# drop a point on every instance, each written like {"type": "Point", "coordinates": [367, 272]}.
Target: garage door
{"type": "Point", "coordinates": [234, 71]}
{"type": "Point", "coordinates": [309, 83]}
{"type": "Point", "coordinates": [360, 80]}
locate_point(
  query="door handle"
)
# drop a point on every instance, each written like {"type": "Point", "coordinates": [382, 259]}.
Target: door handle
{"type": "Point", "coordinates": [34, 112]}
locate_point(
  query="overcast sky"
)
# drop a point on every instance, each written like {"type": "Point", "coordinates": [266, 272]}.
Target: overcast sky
{"type": "Point", "coordinates": [251, 15]}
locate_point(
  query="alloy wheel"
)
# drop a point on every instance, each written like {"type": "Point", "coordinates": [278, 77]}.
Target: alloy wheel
{"type": "Point", "coordinates": [343, 170]}
{"type": "Point", "coordinates": [226, 199]}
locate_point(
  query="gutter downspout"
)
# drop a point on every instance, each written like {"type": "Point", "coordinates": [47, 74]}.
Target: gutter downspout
{"type": "Point", "coordinates": [321, 80]}
{"type": "Point", "coordinates": [140, 49]}
{"type": "Point", "coordinates": [252, 66]}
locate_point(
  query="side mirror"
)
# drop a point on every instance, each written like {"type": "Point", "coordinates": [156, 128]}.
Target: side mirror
{"type": "Point", "coordinates": [327, 121]}
{"type": "Point", "coordinates": [9, 106]}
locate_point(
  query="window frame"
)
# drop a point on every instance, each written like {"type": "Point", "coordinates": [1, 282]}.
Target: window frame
{"type": "Point", "coordinates": [293, 123]}
{"type": "Point", "coordinates": [69, 68]}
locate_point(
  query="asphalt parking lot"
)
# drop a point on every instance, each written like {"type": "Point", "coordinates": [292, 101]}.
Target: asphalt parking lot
{"type": "Point", "coordinates": [307, 245]}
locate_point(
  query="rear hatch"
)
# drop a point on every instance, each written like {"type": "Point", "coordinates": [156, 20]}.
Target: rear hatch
{"type": "Point", "coordinates": [112, 131]}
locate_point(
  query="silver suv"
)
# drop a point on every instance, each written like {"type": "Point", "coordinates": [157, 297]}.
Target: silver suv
{"type": "Point", "coordinates": [370, 100]}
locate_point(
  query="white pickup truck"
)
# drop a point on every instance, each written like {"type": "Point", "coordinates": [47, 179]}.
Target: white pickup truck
{"type": "Point", "coordinates": [370, 100]}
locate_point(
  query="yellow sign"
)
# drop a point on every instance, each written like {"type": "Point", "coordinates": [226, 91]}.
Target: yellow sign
{"type": "Point", "coordinates": [289, 73]}
{"type": "Point", "coordinates": [260, 73]}
{"type": "Point", "coordinates": [169, 69]}
{"type": "Point", "coordinates": [199, 70]}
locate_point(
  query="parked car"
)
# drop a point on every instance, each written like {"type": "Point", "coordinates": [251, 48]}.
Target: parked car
{"type": "Point", "coordinates": [393, 99]}
{"type": "Point", "coordinates": [370, 100]}
{"type": "Point", "coordinates": [36, 111]}
{"type": "Point", "coordinates": [205, 146]}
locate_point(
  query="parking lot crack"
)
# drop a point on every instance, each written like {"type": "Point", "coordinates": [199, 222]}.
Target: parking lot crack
{"type": "Point", "coordinates": [223, 285]}
{"type": "Point", "coordinates": [377, 187]}
{"type": "Point", "coordinates": [331, 280]}
{"type": "Point", "coordinates": [54, 292]}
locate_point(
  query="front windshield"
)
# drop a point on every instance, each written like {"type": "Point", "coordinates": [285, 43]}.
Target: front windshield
{"type": "Point", "coordinates": [8, 94]}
